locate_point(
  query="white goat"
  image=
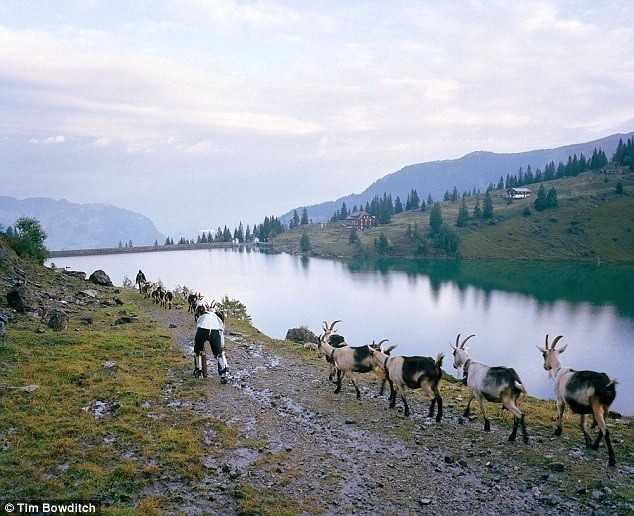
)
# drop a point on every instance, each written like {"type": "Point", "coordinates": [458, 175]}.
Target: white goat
{"type": "Point", "coordinates": [348, 360]}
{"type": "Point", "coordinates": [413, 372]}
{"type": "Point", "coordinates": [496, 384]}
{"type": "Point", "coordinates": [336, 341]}
{"type": "Point", "coordinates": [585, 392]}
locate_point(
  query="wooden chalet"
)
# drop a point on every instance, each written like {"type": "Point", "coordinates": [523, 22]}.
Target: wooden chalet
{"type": "Point", "coordinates": [518, 193]}
{"type": "Point", "coordinates": [359, 220]}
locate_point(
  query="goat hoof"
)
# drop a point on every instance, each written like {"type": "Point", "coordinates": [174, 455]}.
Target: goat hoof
{"type": "Point", "coordinates": [487, 426]}
{"type": "Point", "coordinates": [558, 432]}
{"type": "Point", "coordinates": [512, 438]}
{"type": "Point", "coordinates": [612, 463]}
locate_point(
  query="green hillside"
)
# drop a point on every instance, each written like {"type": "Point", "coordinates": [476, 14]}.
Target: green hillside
{"type": "Point", "coordinates": [591, 222]}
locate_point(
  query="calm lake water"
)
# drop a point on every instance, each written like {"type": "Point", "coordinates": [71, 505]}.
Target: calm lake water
{"type": "Point", "coordinates": [421, 305]}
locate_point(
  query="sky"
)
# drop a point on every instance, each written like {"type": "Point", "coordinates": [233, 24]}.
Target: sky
{"type": "Point", "coordinates": [205, 113]}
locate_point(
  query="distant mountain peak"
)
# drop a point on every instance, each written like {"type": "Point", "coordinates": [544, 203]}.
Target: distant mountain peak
{"type": "Point", "coordinates": [81, 226]}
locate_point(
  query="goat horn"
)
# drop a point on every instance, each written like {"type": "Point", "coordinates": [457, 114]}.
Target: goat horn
{"type": "Point", "coordinates": [556, 341]}
{"type": "Point", "coordinates": [546, 341]}
{"type": "Point", "coordinates": [457, 339]}
{"type": "Point", "coordinates": [333, 325]}
{"type": "Point", "coordinates": [381, 342]}
{"type": "Point", "coordinates": [465, 341]}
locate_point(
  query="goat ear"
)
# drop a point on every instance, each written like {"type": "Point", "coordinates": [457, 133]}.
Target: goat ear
{"type": "Point", "coordinates": [562, 349]}
{"type": "Point", "coordinates": [390, 349]}
{"type": "Point", "coordinates": [541, 350]}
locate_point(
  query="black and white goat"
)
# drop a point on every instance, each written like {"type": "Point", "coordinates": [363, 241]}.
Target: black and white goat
{"type": "Point", "coordinates": [147, 289]}
{"type": "Point", "coordinates": [348, 360]}
{"type": "Point", "coordinates": [168, 299]}
{"type": "Point", "coordinates": [157, 295]}
{"type": "Point", "coordinates": [496, 384]}
{"type": "Point", "coordinates": [193, 300]}
{"type": "Point", "coordinates": [413, 372]}
{"type": "Point", "coordinates": [585, 392]}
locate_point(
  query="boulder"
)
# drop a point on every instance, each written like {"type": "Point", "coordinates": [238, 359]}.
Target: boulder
{"type": "Point", "coordinates": [19, 299]}
{"type": "Point", "coordinates": [99, 277]}
{"type": "Point", "coordinates": [301, 335]}
{"type": "Point", "coordinates": [76, 274]}
{"type": "Point", "coordinates": [58, 320]}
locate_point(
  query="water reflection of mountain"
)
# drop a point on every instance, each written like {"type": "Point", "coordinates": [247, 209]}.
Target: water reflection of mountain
{"type": "Point", "coordinates": [547, 282]}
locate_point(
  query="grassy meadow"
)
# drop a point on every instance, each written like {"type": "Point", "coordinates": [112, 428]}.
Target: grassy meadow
{"type": "Point", "coordinates": [94, 430]}
{"type": "Point", "coordinates": [591, 222]}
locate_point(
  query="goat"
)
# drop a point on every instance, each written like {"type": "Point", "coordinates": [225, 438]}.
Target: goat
{"type": "Point", "coordinates": [157, 295]}
{"type": "Point", "coordinates": [168, 299]}
{"type": "Point", "coordinates": [348, 359]}
{"type": "Point", "coordinates": [147, 289]}
{"type": "Point", "coordinates": [496, 384]}
{"type": "Point", "coordinates": [414, 372]}
{"type": "Point", "coordinates": [193, 301]}
{"type": "Point", "coordinates": [336, 341]}
{"type": "Point", "coordinates": [585, 392]}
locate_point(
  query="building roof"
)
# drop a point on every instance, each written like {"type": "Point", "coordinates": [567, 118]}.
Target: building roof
{"type": "Point", "coordinates": [357, 214]}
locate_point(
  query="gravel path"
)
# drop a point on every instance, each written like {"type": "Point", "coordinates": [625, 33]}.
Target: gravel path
{"type": "Point", "coordinates": [300, 448]}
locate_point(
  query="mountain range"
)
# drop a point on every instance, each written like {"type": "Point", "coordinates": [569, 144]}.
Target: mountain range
{"type": "Point", "coordinates": [81, 226]}
{"type": "Point", "coordinates": [476, 171]}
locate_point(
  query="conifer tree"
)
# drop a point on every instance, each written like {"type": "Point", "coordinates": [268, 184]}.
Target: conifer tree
{"type": "Point", "coordinates": [398, 206]}
{"type": "Point", "coordinates": [435, 219]}
{"type": "Point", "coordinates": [540, 202]}
{"type": "Point", "coordinates": [463, 213]}
{"type": "Point", "coordinates": [304, 243]}
{"type": "Point", "coordinates": [487, 209]}
{"type": "Point", "coordinates": [477, 209]}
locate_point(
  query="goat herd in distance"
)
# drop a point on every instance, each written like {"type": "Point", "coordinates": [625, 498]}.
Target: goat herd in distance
{"type": "Point", "coordinates": [585, 392]}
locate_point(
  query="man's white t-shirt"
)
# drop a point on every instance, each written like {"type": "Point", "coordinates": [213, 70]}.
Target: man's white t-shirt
{"type": "Point", "coordinates": [210, 321]}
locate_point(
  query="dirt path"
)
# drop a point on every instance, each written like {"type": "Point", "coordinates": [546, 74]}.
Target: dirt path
{"type": "Point", "coordinates": [296, 446]}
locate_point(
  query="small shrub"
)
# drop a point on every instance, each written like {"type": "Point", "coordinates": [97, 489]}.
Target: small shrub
{"type": "Point", "coordinates": [235, 309]}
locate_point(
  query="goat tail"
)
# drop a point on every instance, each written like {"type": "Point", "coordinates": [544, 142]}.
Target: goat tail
{"type": "Point", "coordinates": [608, 393]}
{"type": "Point", "coordinates": [521, 387]}
{"type": "Point", "coordinates": [438, 361]}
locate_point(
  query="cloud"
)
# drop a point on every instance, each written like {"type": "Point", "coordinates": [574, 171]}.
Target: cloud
{"type": "Point", "coordinates": [50, 139]}
{"type": "Point", "coordinates": [101, 142]}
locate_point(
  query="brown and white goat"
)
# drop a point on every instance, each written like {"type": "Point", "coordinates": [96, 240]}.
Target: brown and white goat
{"type": "Point", "coordinates": [496, 384]}
{"type": "Point", "coordinates": [348, 360]}
{"type": "Point", "coordinates": [585, 392]}
{"type": "Point", "coordinates": [412, 372]}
